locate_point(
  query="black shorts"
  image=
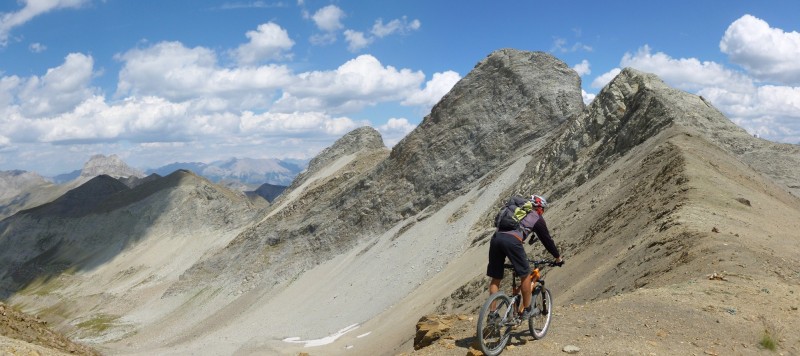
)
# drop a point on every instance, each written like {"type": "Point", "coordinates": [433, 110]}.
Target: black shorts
{"type": "Point", "coordinates": [506, 245]}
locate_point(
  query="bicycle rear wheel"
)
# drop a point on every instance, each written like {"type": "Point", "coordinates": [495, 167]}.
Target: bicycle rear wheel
{"type": "Point", "coordinates": [494, 324]}
{"type": "Point", "coordinates": [540, 321]}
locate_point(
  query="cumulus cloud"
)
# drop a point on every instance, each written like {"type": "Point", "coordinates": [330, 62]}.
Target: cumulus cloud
{"type": "Point", "coordinates": [685, 73]}
{"type": "Point", "coordinates": [173, 71]}
{"type": "Point", "coordinates": [394, 130]}
{"type": "Point", "coordinates": [60, 89]}
{"type": "Point", "coordinates": [179, 97]}
{"type": "Point", "coordinates": [605, 78]}
{"type": "Point", "coordinates": [356, 40]}
{"type": "Point", "coordinates": [434, 90]}
{"type": "Point", "coordinates": [8, 87]}
{"type": "Point", "coordinates": [31, 9]}
{"type": "Point", "coordinates": [767, 53]}
{"type": "Point", "coordinates": [583, 68]}
{"type": "Point", "coordinates": [587, 97]}
{"type": "Point", "coordinates": [268, 42]}
{"type": "Point", "coordinates": [401, 25]}
{"type": "Point", "coordinates": [770, 111]}
{"type": "Point", "coordinates": [299, 122]}
{"type": "Point", "coordinates": [329, 18]}
{"type": "Point", "coordinates": [355, 84]}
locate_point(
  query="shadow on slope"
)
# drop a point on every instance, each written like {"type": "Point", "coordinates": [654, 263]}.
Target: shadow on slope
{"type": "Point", "coordinates": [91, 224]}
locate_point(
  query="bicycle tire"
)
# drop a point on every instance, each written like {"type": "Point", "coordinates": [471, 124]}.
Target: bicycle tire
{"type": "Point", "coordinates": [493, 335]}
{"type": "Point", "coordinates": [540, 322]}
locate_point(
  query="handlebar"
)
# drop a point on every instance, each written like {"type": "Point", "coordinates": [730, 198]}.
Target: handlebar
{"type": "Point", "coordinates": [551, 263]}
{"type": "Point", "coordinates": [537, 263]}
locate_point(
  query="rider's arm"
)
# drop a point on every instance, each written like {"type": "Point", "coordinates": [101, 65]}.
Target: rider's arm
{"type": "Point", "coordinates": [540, 228]}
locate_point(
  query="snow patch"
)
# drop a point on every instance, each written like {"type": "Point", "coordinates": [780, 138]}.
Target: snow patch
{"type": "Point", "coordinates": [325, 340]}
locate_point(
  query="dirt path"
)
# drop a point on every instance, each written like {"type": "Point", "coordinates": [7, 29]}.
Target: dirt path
{"type": "Point", "coordinates": [734, 316]}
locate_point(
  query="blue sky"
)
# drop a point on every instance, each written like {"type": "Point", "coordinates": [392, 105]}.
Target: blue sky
{"type": "Point", "coordinates": [162, 81]}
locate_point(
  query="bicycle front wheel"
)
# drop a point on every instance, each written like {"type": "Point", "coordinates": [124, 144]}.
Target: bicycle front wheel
{"type": "Point", "coordinates": [494, 324]}
{"type": "Point", "coordinates": [542, 303]}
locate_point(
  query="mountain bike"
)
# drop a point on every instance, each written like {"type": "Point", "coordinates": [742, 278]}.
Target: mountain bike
{"type": "Point", "coordinates": [501, 314]}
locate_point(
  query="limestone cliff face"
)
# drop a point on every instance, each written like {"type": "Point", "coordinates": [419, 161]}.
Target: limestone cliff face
{"type": "Point", "coordinates": [109, 165]}
{"type": "Point", "coordinates": [509, 100]}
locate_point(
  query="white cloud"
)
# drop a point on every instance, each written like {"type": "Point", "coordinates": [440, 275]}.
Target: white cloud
{"type": "Point", "coordinates": [357, 83]}
{"type": "Point", "coordinates": [434, 90]}
{"type": "Point", "coordinates": [329, 18]}
{"type": "Point", "coordinates": [60, 89]}
{"type": "Point", "coordinates": [171, 95]}
{"type": "Point", "coordinates": [766, 53]}
{"type": "Point", "coordinates": [394, 130]}
{"type": "Point", "coordinates": [356, 40]}
{"type": "Point", "coordinates": [394, 26]}
{"type": "Point", "coordinates": [298, 122]}
{"type": "Point", "coordinates": [605, 78]}
{"type": "Point", "coordinates": [560, 45]}
{"type": "Point", "coordinates": [587, 97]}
{"type": "Point", "coordinates": [8, 87]}
{"type": "Point", "coordinates": [772, 112]}
{"type": "Point", "coordinates": [583, 68]}
{"type": "Point", "coordinates": [268, 42]}
{"type": "Point", "coordinates": [31, 9]}
{"type": "Point", "coordinates": [170, 70]}
{"type": "Point", "coordinates": [685, 73]}
{"type": "Point", "coordinates": [37, 47]}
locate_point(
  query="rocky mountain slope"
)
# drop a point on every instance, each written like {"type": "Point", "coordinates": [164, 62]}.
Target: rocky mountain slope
{"type": "Point", "coordinates": [22, 334]}
{"type": "Point", "coordinates": [20, 190]}
{"type": "Point", "coordinates": [104, 251]}
{"type": "Point", "coordinates": [652, 191]}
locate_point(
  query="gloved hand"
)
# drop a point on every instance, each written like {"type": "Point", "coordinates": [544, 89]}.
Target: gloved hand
{"type": "Point", "coordinates": [558, 262]}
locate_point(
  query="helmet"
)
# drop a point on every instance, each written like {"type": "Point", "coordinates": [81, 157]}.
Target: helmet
{"type": "Point", "coordinates": [539, 201]}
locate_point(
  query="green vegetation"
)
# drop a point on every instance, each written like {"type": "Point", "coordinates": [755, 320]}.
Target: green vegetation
{"type": "Point", "coordinates": [768, 341]}
{"type": "Point", "coordinates": [45, 285]}
{"type": "Point", "coordinates": [99, 323]}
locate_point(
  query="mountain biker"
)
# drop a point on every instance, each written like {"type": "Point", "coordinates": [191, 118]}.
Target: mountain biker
{"type": "Point", "coordinates": [509, 244]}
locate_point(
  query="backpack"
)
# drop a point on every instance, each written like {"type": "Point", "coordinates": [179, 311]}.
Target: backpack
{"type": "Point", "coordinates": [509, 216]}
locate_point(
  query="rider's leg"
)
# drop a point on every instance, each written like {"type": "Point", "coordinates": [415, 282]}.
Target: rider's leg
{"type": "Point", "coordinates": [527, 289]}
{"type": "Point", "coordinates": [494, 286]}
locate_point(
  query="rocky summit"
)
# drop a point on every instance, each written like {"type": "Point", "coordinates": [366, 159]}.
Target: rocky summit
{"type": "Point", "coordinates": [678, 228]}
{"type": "Point", "coordinates": [111, 165]}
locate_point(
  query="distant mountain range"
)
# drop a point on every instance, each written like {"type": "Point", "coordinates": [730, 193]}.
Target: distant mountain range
{"type": "Point", "coordinates": [247, 171]}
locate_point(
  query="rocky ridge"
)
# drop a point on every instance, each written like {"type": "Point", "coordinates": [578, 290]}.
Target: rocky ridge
{"type": "Point", "coordinates": [20, 190]}
{"type": "Point", "coordinates": [95, 227]}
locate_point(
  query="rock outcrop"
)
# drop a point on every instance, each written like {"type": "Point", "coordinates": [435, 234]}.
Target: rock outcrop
{"type": "Point", "coordinates": [109, 165]}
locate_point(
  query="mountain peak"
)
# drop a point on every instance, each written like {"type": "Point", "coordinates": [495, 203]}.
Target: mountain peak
{"type": "Point", "coordinates": [109, 165]}
{"type": "Point", "coordinates": [360, 139]}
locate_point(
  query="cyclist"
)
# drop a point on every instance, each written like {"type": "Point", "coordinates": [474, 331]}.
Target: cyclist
{"type": "Point", "coordinates": [510, 244]}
